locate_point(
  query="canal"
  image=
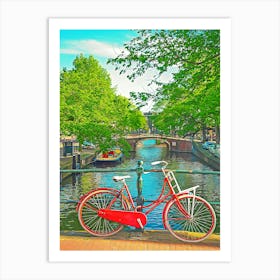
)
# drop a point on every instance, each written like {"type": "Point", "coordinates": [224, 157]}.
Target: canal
{"type": "Point", "coordinates": [147, 151]}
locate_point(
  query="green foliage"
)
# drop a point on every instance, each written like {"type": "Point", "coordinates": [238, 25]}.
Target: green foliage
{"type": "Point", "coordinates": [191, 100]}
{"type": "Point", "coordinates": [90, 108]}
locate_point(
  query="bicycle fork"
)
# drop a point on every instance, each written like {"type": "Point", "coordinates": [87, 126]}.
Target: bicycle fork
{"type": "Point", "coordinates": [187, 213]}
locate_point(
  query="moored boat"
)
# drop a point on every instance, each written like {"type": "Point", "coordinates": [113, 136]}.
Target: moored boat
{"type": "Point", "coordinates": [114, 155]}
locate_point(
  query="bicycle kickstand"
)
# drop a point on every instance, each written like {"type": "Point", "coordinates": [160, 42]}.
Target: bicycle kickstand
{"type": "Point", "coordinates": [140, 223]}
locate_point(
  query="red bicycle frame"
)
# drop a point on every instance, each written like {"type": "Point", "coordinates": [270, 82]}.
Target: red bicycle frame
{"type": "Point", "coordinates": [161, 198]}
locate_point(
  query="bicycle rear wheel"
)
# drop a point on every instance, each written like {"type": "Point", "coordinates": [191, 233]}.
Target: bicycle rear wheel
{"type": "Point", "coordinates": [194, 229]}
{"type": "Point", "coordinates": [88, 209]}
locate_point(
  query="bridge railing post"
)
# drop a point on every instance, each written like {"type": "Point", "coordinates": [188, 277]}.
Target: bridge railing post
{"type": "Point", "coordinates": [140, 198]}
{"type": "Point", "coordinates": [140, 171]}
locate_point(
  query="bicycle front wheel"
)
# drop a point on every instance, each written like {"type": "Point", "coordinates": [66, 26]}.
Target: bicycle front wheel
{"type": "Point", "coordinates": [195, 228]}
{"type": "Point", "coordinates": [88, 209]}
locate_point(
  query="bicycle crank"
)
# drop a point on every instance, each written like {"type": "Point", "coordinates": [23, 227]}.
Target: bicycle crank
{"type": "Point", "coordinates": [129, 218]}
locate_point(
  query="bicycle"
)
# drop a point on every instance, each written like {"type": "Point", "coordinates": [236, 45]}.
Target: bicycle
{"type": "Point", "coordinates": [188, 217]}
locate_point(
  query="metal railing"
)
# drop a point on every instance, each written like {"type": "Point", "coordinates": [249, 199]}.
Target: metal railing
{"type": "Point", "coordinates": [139, 171]}
{"type": "Point", "coordinates": [101, 170]}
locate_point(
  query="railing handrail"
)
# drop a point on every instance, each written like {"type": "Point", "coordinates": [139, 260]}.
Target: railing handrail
{"type": "Point", "coordinates": [100, 170]}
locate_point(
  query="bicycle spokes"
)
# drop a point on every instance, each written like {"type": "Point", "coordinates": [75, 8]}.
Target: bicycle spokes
{"type": "Point", "coordinates": [197, 226]}
{"type": "Point", "coordinates": [88, 212]}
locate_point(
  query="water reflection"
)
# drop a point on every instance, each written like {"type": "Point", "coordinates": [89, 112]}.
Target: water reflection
{"type": "Point", "coordinates": [147, 151]}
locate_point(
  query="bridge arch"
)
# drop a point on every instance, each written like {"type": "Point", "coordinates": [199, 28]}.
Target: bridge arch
{"type": "Point", "coordinates": [165, 141]}
{"type": "Point", "coordinates": [173, 143]}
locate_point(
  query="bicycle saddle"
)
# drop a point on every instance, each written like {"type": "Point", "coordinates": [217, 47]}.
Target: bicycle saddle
{"type": "Point", "coordinates": [120, 178]}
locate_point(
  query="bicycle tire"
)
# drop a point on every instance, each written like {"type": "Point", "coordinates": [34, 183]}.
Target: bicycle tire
{"type": "Point", "coordinates": [194, 229]}
{"type": "Point", "coordinates": [89, 206]}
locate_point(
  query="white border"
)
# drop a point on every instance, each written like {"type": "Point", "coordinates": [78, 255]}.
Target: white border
{"type": "Point", "coordinates": [24, 109]}
{"type": "Point", "coordinates": [55, 25]}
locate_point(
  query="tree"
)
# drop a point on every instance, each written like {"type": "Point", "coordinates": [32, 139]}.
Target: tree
{"type": "Point", "coordinates": [90, 108]}
{"type": "Point", "coordinates": [190, 100]}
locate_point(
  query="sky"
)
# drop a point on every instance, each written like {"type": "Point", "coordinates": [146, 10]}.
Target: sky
{"type": "Point", "coordinates": [104, 44]}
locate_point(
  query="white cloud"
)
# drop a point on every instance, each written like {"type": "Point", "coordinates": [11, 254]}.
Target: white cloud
{"type": "Point", "coordinates": [92, 47]}
{"type": "Point", "coordinates": [140, 84]}
{"type": "Point", "coordinates": [69, 51]}
{"type": "Point", "coordinates": [125, 86]}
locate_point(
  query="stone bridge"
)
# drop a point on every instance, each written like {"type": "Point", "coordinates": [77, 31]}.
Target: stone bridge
{"type": "Point", "coordinates": [175, 144]}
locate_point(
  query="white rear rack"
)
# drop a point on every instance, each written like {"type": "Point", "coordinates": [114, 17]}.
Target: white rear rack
{"type": "Point", "coordinates": [171, 178]}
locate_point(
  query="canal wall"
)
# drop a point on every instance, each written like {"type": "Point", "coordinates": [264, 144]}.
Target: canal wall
{"type": "Point", "coordinates": [205, 156]}
{"type": "Point", "coordinates": [179, 145]}
{"type": "Point", "coordinates": [66, 162]}
{"type": "Point", "coordinates": [86, 158]}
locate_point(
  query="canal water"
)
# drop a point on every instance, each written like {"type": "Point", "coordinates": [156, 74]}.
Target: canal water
{"type": "Point", "coordinates": [147, 151]}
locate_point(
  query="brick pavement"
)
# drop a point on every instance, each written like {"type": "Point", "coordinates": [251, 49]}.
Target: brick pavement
{"type": "Point", "coordinates": [131, 240]}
